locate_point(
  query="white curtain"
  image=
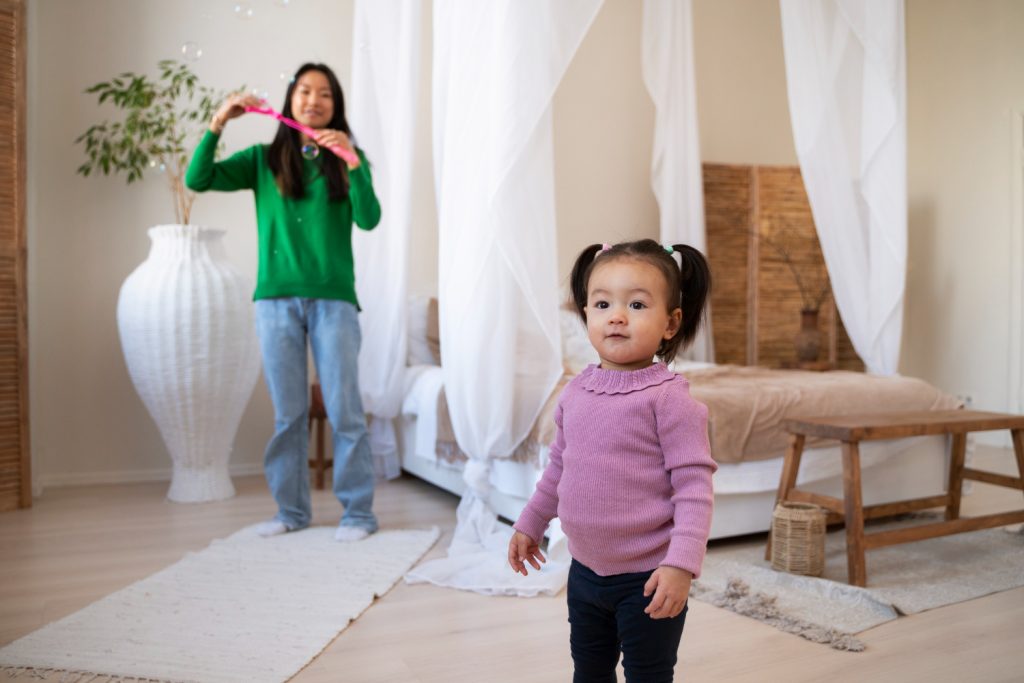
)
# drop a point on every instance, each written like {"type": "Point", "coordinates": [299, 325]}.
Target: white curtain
{"type": "Point", "coordinates": [382, 113]}
{"type": "Point", "coordinates": [675, 160]}
{"type": "Point", "coordinates": [846, 77]}
{"type": "Point", "coordinates": [496, 67]}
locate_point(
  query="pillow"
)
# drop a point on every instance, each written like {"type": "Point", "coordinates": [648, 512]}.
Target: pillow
{"type": "Point", "coordinates": [577, 352]}
{"type": "Point", "coordinates": [424, 341]}
{"type": "Point", "coordinates": [433, 330]}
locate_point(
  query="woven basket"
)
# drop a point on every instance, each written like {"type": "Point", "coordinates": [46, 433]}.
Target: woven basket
{"type": "Point", "coordinates": [798, 539]}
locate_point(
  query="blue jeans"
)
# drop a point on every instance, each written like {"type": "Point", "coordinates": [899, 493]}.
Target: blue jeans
{"type": "Point", "coordinates": [332, 328]}
{"type": "Point", "coordinates": [606, 616]}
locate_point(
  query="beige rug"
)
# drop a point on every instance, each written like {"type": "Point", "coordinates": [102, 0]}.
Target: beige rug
{"type": "Point", "coordinates": [244, 609]}
{"type": "Point", "coordinates": [902, 579]}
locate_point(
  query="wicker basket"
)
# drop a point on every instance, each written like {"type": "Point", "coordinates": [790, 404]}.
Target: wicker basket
{"type": "Point", "coordinates": [798, 539]}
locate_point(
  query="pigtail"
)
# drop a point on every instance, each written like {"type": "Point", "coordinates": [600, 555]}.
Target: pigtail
{"type": "Point", "coordinates": [578, 278]}
{"type": "Point", "coordinates": [694, 286]}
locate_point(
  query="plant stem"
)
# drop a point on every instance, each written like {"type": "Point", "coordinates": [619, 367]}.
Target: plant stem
{"type": "Point", "coordinates": [173, 179]}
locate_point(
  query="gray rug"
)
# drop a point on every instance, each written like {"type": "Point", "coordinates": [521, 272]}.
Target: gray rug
{"type": "Point", "coordinates": [902, 579]}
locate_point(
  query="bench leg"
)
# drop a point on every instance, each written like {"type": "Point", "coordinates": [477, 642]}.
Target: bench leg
{"type": "Point", "coordinates": [787, 482]}
{"type": "Point", "coordinates": [854, 508]}
{"type": "Point", "coordinates": [1018, 450]}
{"type": "Point", "coordinates": [956, 474]}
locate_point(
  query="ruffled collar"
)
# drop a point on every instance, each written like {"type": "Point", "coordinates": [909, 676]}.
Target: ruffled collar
{"type": "Point", "coordinates": [600, 381]}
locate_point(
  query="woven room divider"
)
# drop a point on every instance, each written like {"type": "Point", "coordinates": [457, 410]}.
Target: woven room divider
{"type": "Point", "coordinates": [15, 480]}
{"type": "Point", "coordinates": [755, 215]}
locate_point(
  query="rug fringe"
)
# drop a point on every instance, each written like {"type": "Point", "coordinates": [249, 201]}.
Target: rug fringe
{"type": "Point", "coordinates": [737, 598]}
{"type": "Point", "coordinates": [67, 676]}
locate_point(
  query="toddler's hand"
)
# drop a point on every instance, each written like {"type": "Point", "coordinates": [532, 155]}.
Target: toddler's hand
{"type": "Point", "coordinates": [671, 587]}
{"type": "Point", "coordinates": [522, 549]}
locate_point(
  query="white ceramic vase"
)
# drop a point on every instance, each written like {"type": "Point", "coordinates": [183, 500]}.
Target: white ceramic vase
{"type": "Point", "coordinates": [186, 322]}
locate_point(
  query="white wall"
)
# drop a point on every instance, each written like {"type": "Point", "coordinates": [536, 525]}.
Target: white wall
{"type": "Point", "coordinates": [741, 83]}
{"type": "Point", "coordinates": [87, 234]}
{"type": "Point", "coordinates": [965, 63]}
{"type": "Point", "coordinates": [604, 131]}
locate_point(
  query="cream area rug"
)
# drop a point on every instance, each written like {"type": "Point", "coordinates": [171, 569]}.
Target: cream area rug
{"type": "Point", "coordinates": [245, 608]}
{"type": "Point", "coordinates": [902, 579]}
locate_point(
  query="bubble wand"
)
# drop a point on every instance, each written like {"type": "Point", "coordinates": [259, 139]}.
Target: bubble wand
{"type": "Point", "coordinates": [311, 132]}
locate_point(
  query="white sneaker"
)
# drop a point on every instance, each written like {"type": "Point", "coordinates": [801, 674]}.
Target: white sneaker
{"type": "Point", "coordinates": [271, 527]}
{"type": "Point", "coordinates": [349, 534]}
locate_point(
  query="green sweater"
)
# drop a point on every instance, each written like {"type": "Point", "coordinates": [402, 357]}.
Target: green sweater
{"type": "Point", "coordinates": [305, 245]}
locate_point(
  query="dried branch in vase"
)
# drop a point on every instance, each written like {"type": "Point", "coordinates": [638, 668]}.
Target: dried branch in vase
{"type": "Point", "coordinates": [813, 290]}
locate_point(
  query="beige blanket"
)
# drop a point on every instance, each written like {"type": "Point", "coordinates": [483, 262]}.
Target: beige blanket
{"type": "Point", "coordinates": [746, 407]}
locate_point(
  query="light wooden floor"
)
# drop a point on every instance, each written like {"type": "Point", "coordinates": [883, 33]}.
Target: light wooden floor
{"type": "Point", "coordinates": [81, 543]}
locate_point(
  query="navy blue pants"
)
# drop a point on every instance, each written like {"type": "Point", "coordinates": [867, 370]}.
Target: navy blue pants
{"type": "Point", "coordinates": [606, 617]}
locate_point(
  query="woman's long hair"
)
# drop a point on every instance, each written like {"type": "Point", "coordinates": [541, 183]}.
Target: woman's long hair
{"type": "Point", "coordinates": [285, 156]}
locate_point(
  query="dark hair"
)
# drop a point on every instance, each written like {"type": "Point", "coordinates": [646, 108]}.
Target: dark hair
{"type": "Point", "coordinates": [285, 157]}
{"type": "Point", "coordinates": [690, 279]}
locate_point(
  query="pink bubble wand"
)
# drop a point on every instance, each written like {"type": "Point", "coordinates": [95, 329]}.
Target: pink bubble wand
{"type": "Point", "coordinates": [311, 132]}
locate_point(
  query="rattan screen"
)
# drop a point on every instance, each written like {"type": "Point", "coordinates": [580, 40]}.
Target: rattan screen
{"type": "Point", "coordinates": [15, 487]}
{"type": "Point", "coordinates": [757, 217]}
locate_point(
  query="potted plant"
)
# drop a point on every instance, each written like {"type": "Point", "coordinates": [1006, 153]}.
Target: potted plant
{"type": "Point", "coordinates": [159, 115]}
{"type": "Point", "coordinates": [184, 315]}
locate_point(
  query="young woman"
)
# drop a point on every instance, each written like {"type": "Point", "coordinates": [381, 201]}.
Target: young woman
{"type": "Point", "coordinates": [307, 200]}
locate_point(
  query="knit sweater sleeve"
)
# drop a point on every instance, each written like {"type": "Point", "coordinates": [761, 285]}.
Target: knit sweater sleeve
{"type": "Point", "coordinates": [237, 172]}
{"type": "Point", "coordinates": [683, 432]}
{"type": "Point", "coordinates": [543, 504]}
{"type": "Point", "coordinates": [365, 207]}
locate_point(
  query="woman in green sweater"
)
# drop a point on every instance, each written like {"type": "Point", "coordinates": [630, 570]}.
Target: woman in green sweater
{"type": "Point", "coordinates": [306, 204]}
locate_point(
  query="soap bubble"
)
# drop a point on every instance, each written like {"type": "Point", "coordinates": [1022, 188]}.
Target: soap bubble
{"type": "Point", "coordinates": [282, 3]}
{"type": "Point", "coordinates": [191, 51]}
{"type": "Point", "coordinates": [243, 10]}
{"type": "Point", "coordinates": [287, 78]}
{"type": "Point", "coordinates": [310, 151]}
{"type": "Point", "coordinates": [260, 93]}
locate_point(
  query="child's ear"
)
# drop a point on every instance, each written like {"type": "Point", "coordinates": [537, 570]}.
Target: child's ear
{"type": "Point", "coordinates": [675, 319]}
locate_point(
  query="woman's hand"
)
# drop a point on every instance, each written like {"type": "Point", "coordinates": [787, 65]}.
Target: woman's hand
{"type": "Point", "coordinates": [326, 137]}
{"type": "Point", "coordinates": [231, 108]}
{"type": "Point", "coordinates": [671, 588]}
{"type": "Point", "coordinates": [522, 549]}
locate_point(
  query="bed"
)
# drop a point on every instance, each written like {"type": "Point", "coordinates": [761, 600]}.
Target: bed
{"type": "Point", "coordinates": [746, 406]}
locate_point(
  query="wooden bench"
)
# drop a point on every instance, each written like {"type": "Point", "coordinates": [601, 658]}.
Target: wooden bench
{"type": "Point", "coordinates": [852, 429]}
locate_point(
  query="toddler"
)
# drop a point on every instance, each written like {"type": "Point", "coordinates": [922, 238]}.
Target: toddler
{"type": "Point", "coordinates": [630, 468]}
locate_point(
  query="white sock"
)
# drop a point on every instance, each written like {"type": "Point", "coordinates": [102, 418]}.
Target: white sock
{"type": "Point", "coordinates": [348, 534]}
{"type": "Point", "coordinates": [271, 527]}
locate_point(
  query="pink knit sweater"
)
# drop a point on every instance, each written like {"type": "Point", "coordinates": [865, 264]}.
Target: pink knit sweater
{"type": "Point", "coordinates": [630, 472]}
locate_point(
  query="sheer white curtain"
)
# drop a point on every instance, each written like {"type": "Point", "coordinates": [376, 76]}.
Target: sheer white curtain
{"type": "Point", "coordinates": [675, 160]}
{"type": "Point", "coordinates": [496, 67]}
{"type": "Point", "coordinates": [382, 113]}
{"type": "Point", "coordinates": [846, 77]}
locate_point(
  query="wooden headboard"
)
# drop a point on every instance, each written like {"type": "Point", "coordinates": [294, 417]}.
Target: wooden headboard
{"type": "Point", "coordinates": [752, 212]}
